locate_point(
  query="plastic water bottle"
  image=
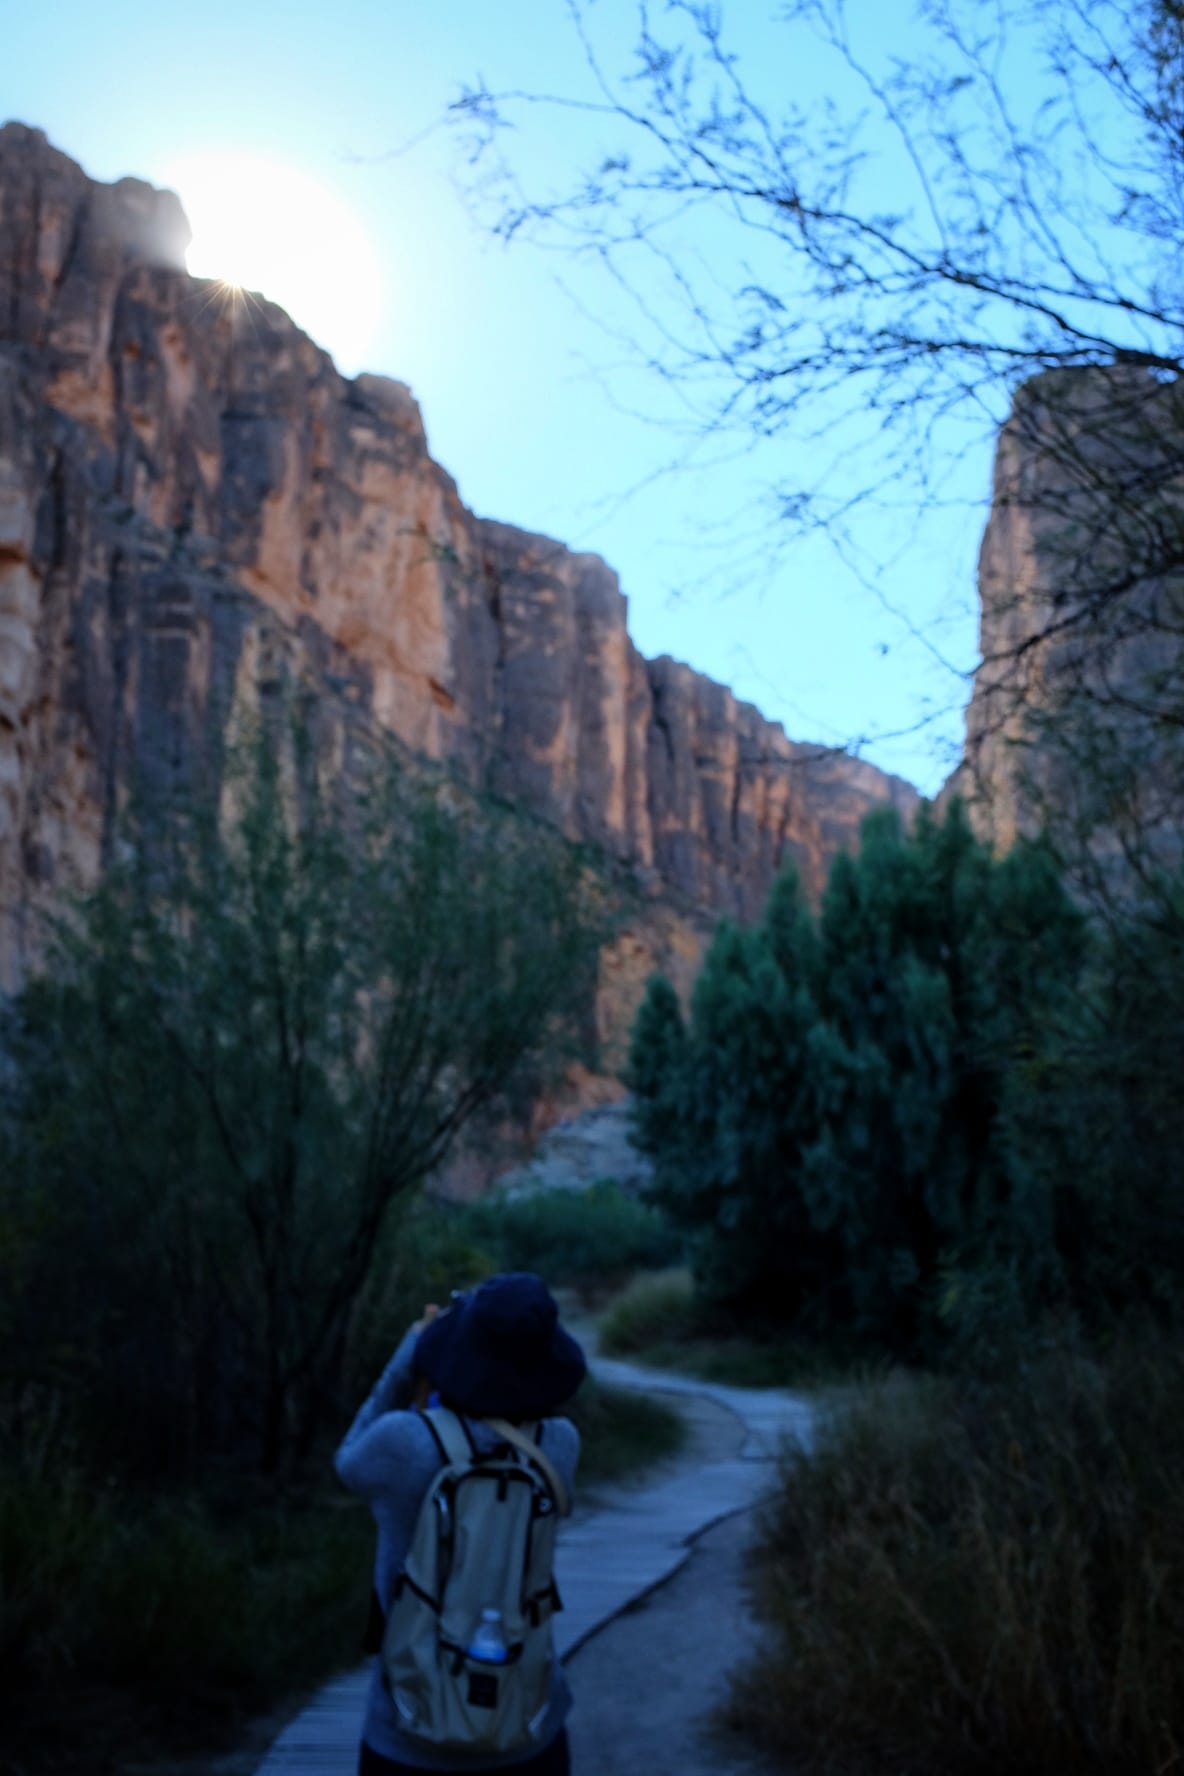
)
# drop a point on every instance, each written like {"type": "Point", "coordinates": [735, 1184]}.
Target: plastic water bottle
{"type": "Point", "coordinates": [489, 1642]}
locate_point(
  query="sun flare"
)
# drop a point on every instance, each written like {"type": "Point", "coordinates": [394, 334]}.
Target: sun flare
{"type": "Point", "coordinates": [264, 227]}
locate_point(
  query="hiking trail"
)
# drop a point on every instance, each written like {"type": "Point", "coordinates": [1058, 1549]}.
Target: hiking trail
{"type": "Point", "coordinates": [623, 1543]}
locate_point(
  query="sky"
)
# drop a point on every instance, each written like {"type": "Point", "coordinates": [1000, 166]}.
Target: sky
{"type": "Point", "coordinates": [334, 110]}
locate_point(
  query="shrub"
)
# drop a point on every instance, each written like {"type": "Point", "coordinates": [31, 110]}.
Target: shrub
{"type": "Point", "coordinates": [983, 1580]}
{"type": "Point", "coordinates": [431, 1249]}
{"type": "Point", "coordinates": [579, 1237]}
{"type": "Point", "coordinates": [835, 1120]}
{"type": "Point", "coordinates": [649, 1311]}
{"type": "Point", "coordinates": [168, 1622]}
{"type": "Point", "coordinates": [250, 1045]}
{"type": "Point", "coordinates": [666, 1323]}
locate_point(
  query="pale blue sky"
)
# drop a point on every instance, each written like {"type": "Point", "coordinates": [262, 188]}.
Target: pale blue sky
{"type": "Point", "coordinates": [508, 371]}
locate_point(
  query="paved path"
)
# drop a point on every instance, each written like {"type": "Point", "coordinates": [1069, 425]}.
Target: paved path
{"type": "Point", "coordinates": [653, 1690]}
{"type": "Point", "coordinates": [614, 1556]}
{"type": "Point", "coordinates": [608, 1558]}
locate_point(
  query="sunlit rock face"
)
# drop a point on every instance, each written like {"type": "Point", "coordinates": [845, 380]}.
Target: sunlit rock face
{"type": "Point", "coordinates": [1077, 717]}
{"type": "Point", "coordinates": [196, 510]}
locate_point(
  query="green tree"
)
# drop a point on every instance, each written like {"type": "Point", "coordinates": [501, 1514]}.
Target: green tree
{"type": "Point", "coordinates": [258, 1035]}
{"type": "Point", "coordinates": [840, 1116]}
{"type": "Point", "coordinates": [1101, 1117]}
{"type": "Point", "coordinates": [731, 1110]}
{"type": "Point", "coordinates": [942, 967]}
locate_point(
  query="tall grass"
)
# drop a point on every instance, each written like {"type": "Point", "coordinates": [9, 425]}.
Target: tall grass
{"type": "Point", "coordinates": [136, 1627]}
{"type": "Point", "coordinates": [130, 1626]}
{"type": "Point", "coordinates": [663, 1322]}
{"type": "Point", "coordinates": [648, 1311]}
{"type": "Point", "coordinates": [983, 1579]}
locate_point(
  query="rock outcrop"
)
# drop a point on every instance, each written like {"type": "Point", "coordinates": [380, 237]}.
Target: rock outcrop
{"type": "Point", "coordinates": [195, 507]}
{"type": "Point", "coordinates": [1076, 717]}
{"type": "Point", "coordinates": [582, 1151]}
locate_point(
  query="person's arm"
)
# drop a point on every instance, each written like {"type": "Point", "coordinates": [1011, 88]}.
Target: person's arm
{"type": "Point", "coordinates": [362, 1460]}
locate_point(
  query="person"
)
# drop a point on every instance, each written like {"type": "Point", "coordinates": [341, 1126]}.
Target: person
{"type": "Point", "coordinates": [497, 1352]}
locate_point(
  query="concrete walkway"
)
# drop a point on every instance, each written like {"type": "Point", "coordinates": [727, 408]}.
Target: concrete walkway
{"type": "Point", "coordinates": [608, 1558]}
{"type": "Point", "coordinates": [614, 1556]}
{"type": "Point", "coordinates": [653, 1690]}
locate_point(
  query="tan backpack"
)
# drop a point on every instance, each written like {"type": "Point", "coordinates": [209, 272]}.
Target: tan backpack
{"type": "Point", "coordinates": [467, 1649]}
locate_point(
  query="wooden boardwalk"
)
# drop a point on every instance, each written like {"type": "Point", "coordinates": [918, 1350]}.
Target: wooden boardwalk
{"type": "Point", "coordinates": [607, 1559]}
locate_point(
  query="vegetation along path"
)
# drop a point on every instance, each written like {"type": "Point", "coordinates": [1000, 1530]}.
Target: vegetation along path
{"type": "Point", "coordinates": [620, 1546]}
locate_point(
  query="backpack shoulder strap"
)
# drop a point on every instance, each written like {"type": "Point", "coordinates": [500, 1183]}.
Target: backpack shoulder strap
{"type": "Point", "coordinates": [534, 1453]}
{"type": "Point", "coordinates": [452, 1438]}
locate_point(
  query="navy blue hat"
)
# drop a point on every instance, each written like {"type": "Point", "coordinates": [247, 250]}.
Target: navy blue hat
{"type": "Point", "coordinates": [500, 1352]}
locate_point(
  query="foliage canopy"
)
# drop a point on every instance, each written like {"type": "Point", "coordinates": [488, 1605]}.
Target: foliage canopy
{"type": "Point", "coordinates": [839, 1118]}
{"type": "Point", "coordinates": [261, 1032]}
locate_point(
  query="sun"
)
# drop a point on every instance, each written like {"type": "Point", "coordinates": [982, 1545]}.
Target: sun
{"type": "Point", "coordinates": [260, 225]}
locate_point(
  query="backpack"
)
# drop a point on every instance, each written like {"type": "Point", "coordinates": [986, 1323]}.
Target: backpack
{"type": "Point", "coordinates": [484, 1541]}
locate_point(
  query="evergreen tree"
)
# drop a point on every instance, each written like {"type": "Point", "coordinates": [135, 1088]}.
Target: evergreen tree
{"type": "Point", "coordinates": [838, 1120]}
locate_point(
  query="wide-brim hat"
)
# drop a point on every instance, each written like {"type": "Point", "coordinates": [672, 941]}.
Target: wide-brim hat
{"type": "Point", "coordinates": [500, 1352]}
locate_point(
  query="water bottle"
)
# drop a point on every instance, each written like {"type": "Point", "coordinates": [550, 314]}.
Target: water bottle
{"type": "Point", "coordinates": [489, 1642]}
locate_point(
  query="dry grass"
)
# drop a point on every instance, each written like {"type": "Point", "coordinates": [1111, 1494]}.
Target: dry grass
{"type": "Point", "coordinates": [659, 1321]}
{"type": "Point", "coordinates": [135, 1628]}
{"type": "Point", "coordinates": [652, 1308]}
{"type": "Point", "coordinates": [983, 1579]}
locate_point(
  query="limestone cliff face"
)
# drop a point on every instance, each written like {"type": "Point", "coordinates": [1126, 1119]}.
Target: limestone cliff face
{"type": "Point", "coordinates": [195, 506]}
{"type": "Point", "coordinates": [1075, 719]}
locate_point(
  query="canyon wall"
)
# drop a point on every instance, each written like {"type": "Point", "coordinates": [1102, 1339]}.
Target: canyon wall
{"type": "Point", "coordinates": [196, 509]}
{"type": "Point", "coordinates": [1076, 722]}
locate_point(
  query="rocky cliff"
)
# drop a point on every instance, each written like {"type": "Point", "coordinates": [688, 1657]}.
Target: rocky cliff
{"type": "Point", "coordinates": [195, 506]}
{"type": "Point", "coordinates": [1077, 716]}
